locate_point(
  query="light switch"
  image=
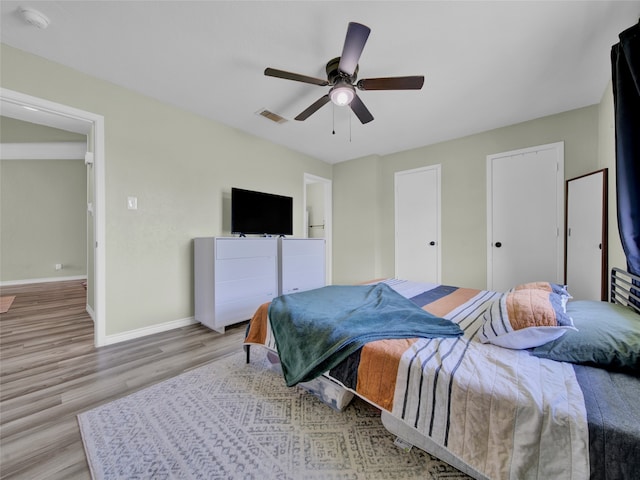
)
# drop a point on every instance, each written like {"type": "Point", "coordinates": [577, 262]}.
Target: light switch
{"type": "Point", "coordinates": [132, 203]}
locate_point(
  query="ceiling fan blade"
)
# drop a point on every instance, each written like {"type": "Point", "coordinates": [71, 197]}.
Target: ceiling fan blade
{"type": "Point", "coordinates": [357, 35]}
{"type": "Point", "coordinates": [363, 114]}
{"type": "Point", "coordinates": [391, 83]}
{"type": "Point", "coordinates": [313, 108]}
{"type": "Point", "coordinates": [272, 72]}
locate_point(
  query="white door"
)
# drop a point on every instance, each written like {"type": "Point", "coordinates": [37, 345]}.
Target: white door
{"type": "Point", "coordinates": [586, 242]}
{"type": "Point", "coordinates": [525, 216]}
{"type": "Point", "coordinates": [417, 224]}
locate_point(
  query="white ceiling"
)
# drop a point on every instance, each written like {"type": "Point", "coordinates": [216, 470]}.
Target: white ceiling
{"type": "Point", "coordinates": [486, 64]}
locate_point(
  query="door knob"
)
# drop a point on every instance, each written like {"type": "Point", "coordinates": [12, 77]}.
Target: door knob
{"type": "Point", "coordinates": [498, 244]}
{"type": "Point", "coordinates": [432, 243]}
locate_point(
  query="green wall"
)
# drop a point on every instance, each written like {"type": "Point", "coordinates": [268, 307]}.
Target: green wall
{"type": "Point", "coordinates": [43, 219]}
{"type": "Point", "coordinates": [180, 166]}
{"type": "Point", "coordinates": [607, 159]}
{"type": "Point", "coordinates": [357, 208]}
{"type": "Point", "coordinates": [464, 214]}
{"type": "Point", "coordinates": [42, 216]}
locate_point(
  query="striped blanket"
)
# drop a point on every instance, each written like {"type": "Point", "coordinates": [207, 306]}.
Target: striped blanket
{"type": "Point", "coordinates": [503, 412]}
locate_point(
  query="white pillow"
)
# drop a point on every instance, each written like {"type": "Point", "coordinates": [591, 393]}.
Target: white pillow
{"type": "Point", "coordinates": [548, 287]}
{"type": "Point", "coordinates": [525, 318]}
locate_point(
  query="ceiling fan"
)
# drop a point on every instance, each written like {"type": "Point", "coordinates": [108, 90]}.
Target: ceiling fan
{"type": "Point", "coordinates": [342, 73]}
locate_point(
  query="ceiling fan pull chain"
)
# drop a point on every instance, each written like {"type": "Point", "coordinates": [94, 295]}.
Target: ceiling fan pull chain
{"type": "Point", "coordinates": [333, 119]}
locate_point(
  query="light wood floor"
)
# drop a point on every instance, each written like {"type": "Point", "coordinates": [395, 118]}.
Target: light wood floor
{"type": "Point", "coordinates": [50, 372]}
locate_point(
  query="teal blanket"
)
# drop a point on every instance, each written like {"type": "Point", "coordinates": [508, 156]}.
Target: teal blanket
{"type": "Point", "coordinates": [317, 329]}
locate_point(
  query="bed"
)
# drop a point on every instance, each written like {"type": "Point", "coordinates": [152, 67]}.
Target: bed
{"type": "Point", "coordinates": [547, 400]}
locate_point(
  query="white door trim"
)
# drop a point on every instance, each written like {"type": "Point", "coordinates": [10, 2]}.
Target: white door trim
{"type": "Point", "coordinates": [438, 169]}
{"type": "Point", "coordinates": [559, 147]}
{"type": "Point", "coordinates": [96, 123]}
{"type": "Point", "coordinates": [328, 217]}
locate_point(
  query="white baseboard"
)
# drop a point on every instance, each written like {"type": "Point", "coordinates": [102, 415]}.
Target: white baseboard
{"type": "Point", "coordinates": [143, 332]}
{"type": "Point", "coordinates": [41, 280]}
{"type": "Point", "coordinates": [90, 312]}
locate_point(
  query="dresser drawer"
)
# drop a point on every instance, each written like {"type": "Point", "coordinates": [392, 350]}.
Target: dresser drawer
{"type": "Point", "coordinates": [227, 248]}
{"type": "Point", "coordinates": [249, 267]}
{"type": "Point", "coordinates": [245, 288]}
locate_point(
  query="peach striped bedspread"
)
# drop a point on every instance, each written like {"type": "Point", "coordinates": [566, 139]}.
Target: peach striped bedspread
{"type": "Point", "coordinates": [504, 412]}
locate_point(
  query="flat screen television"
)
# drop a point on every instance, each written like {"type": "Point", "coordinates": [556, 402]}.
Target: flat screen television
{"type": "Point", "coordinates": [259, 213]}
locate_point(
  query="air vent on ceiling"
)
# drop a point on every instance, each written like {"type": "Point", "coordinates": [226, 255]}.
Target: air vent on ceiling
{"type": "Point", "coordinates": [274, 117]}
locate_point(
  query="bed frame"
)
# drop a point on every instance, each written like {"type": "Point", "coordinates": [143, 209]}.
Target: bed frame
{"type": "Point", "coordinates": [625, 289]}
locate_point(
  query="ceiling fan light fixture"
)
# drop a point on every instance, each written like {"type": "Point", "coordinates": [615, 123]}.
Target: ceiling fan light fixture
{"type": "Point", "coordinates": [342, 94]}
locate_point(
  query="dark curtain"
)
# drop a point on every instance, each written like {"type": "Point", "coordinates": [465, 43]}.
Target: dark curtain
{"type": "Point", "coordinates": [625, 60]}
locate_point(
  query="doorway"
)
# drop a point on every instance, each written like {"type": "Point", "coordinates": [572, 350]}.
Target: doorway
{"type": "Point", "coordinates": [41, 111]}
{"type": "Point", "coordinates": [586, 259]}
{"type": "Point", "coordinates": [317, 210]}
{"type": "Point", "coordinates": [525, 211]}
{"type": "Point", "coordinates": [417, 224]}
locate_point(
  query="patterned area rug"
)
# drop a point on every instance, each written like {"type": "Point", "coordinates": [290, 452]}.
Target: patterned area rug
{"type": "Point", "coordinates": [230, 420]}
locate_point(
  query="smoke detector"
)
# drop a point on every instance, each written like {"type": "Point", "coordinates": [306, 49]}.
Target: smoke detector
{"type": "Point", "coordinates": [34, 17]}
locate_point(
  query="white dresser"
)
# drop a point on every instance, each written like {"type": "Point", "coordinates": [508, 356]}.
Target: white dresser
{"type": "Point", "coordinates": [233, 276]}
{"type": "Point", "coordinates": [301, 264]}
